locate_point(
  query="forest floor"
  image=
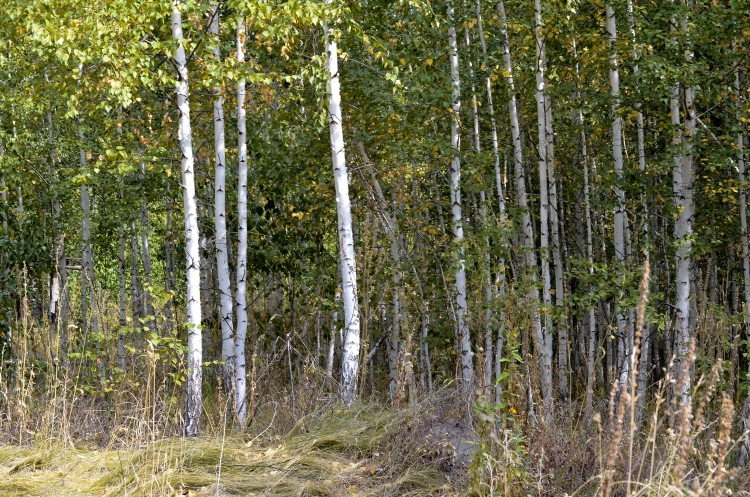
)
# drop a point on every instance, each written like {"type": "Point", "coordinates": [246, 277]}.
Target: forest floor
{"type": "Point", "coordinates": [366, 450]}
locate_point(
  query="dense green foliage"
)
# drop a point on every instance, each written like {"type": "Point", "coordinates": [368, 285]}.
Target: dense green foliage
{"type": "Point", "coordinates": [94, 80]}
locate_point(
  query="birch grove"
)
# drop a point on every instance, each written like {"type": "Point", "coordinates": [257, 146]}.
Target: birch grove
{"type": "Point", "coordinates": [383, 203]}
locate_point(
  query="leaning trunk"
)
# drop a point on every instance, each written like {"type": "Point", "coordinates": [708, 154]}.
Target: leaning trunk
{"type": "Point", "coordinates": [350, 359]}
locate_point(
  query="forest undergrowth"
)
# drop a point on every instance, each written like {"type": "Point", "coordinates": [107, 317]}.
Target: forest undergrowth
{"type": "Point", "coordinates": [62, 436]}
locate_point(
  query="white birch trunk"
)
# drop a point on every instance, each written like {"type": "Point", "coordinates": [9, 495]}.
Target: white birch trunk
{"type": "Point", "coordinates": [54, 287]}
{"type": "Point", "coordinates": [592, 341]}
{"type": "Point", "coordinates": [467, 367]}
{"type": "Point", "coordinates": [744, 457]}
{"type": "Point", "coordinates": [644, 371]}
{"type": "Point", "coordinates": [559, 320]}
{"type": "Point", "coordinates": [683, 183]}
{"type": "Point", "coordinates": [625, 347]}
{"type": "Point", "coordinates": [590, 255]}
{"type": "Point", "coordinates": [241, 292]}
{"type": "Point", "coordinates": [194, 399]}
{"type": "Point", "coordinates": [488, 283]}
{"type": "Point", "coordinates": [527, 228]}
{"type": "Point", "coordinates": [226, 318]}
{"type": "Point", "coordinates": [500, 279]}
{"type": "Point", "coordinates": [545, 347]}
{"type": "Point", "coordinates": [350, 359]}
{"type": "Point", "coordinates": [148, 304]}
{"type": "Point", "coordinates": [87, 259]}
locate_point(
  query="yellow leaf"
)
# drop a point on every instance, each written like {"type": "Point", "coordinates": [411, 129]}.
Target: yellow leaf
{"type": "Point", "coordinates": [403, 61]}
{"type": "Point", "coordinates": [428, 61]}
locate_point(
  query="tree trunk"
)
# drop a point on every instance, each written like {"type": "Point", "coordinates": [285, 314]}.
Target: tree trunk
{"type": "Point", "coordinates": [683, 189]}
{"type": "Point", "coordinates": [350, 359]}
{"type": "Point", "coordinates": [148, 305]}
{"type": "Point", "coordinates": [745, 416]}
{"type": "Point", "coordinates": [87, 261]}
{"type": "Point", "coordinates": [194, 400]}
{"type": "Point", "coordinates": [123, 321]}
{"type": "Point", "coordinates": [593, 344]}
{"type": "Point", "coordinates": [527, 227]}
{"type": "Point", "coordinates": [644, 371]}
{"type": "Point", "coordinates": [226, 318]}
{"type": "Point", "coordinates": [136, 299]}
{"type": "Point", "coordinates": [467, 367]}
{"type": "Point", "coordinates": [489, 321]}
{"type": "Point", "coordinates": [59, 251]}
{"type": "Point", "coordinates": [558, 319]}
{"type": "Point", "coordinates": [625, 347]}
{"type": "Point", "coordinates": [545, 346]}
{"type": "Point", "coordinates": [500, 278]}
{"type": "Point", "coordinates": [241, 292]}
{"type": "Point", "coordinates": [391, 229]}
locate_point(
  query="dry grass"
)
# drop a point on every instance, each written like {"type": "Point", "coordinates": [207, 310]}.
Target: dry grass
{"type": "Point", "coordinates": [338, 452]}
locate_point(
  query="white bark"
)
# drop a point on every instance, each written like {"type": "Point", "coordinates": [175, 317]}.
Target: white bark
{"type": "Point", "coordinates": [241, 292]}
{"type": "Point", "coordinates": [148, 305]}
{"type": "Point", "coordinates": [194, 400]}
{"type": "Point", "coordinates": [592, 342]}
{"type": "Point", "coordinates": [54, 287]}
{"type": "Point", "coordinates": [87, 259]}
{"type": "Point", "coordinates": [559, 320]}
{"type": "Point", "coordinates": [467, 367]}
{"type": "Point", "coordinates": [644, 371]}
{"type": "Point", "coordinates": [625, 347]}
{"type": "Point", "coordinates": [590, 254]}
{"type": "Point", "coordinates": [500, 279]}
{"type": "Point", "coordinates": [683, 189]}
{"type": "Point", "coordinates": [350, 359]}
{"type": "Point", "coordinates": [527, 228]}
{"type": "Point", "coordinates": [488, 283]}
{"type": "Point", "coordinates": [226, 318]}
{"type": "Point", "coordinates": [545, 346]}
{"type": "Point", "coordinates": [745, 415]}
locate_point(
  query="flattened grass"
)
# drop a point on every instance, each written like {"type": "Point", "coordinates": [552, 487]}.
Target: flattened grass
{"type": "Point", "coordinates": [334, 453]}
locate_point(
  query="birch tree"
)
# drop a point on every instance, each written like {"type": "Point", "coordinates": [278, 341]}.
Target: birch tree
{"type": "Point", "coordinates": [624, 342]}
{"type": "Point", "coordinates": [350, 360]}
{"type": "Point", "coordinates": [462, 328]}
{"type": "Point", "coordinates": [545, 345]}
{"type": "Point", "coordinates": [683, 190]}
{"type": "Point", "coordinates": [226, 318]}
{"type": "Point", "coordinates": [241, 270]}
{"type": "Point", "coordinates": [745, 415]}
{"type": "Point", "coordinates": [194, 399]}
{"type": "Point", "coordinates": [500, 279]}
